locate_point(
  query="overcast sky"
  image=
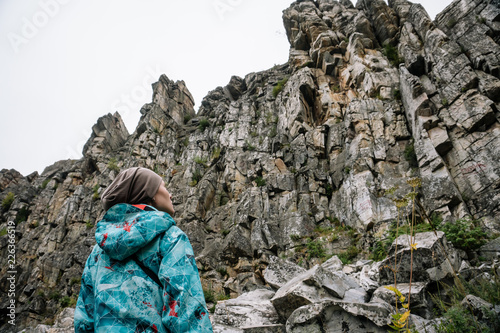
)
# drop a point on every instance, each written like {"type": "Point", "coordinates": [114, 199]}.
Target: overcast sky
{"type": "Point", "coordinates": [65, 63]}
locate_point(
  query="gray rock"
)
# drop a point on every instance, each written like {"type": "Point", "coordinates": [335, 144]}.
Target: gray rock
{"type": "Point", "coordinates": [333, 316]}
{"type": "Point", "coordinates": [249, 310]}
{"type": "Point", "coordinates": [490, 250]}
{"type": "Point", "coordinates": [280, 271]}
{"type": "Point", "coordinates": [312, 286]}
{"type": "Point", "coordinates": [433, 260]}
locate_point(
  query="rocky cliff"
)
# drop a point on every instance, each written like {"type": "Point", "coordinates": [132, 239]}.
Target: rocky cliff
{"type": "Point", "coordinates": [304, 153]}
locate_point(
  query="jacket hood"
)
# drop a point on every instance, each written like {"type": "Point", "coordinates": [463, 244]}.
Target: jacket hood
{"type": "Point", "coordinates": [125, 229]}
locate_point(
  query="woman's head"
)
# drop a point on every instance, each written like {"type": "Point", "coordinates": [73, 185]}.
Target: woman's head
{"type": "Point", "coordinates": [138, 185]}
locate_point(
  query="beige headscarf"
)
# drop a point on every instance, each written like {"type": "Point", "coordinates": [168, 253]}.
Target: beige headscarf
{"type": "Point", "coordinates": [133, 186]}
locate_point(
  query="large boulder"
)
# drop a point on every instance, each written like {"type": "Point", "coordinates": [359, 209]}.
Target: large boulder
{"type": "Point", "coordinates": [433, 259]}
{"type": "Point", "coordinates": [250, 310]}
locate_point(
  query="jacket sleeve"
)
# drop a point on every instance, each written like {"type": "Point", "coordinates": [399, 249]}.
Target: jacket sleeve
{"type": "Point", "coordinates": [84, 312]}
{"type": "Point", "coordinates": [184, 308]}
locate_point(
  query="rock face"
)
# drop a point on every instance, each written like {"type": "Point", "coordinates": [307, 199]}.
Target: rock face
{"type": "Point", "coordinates": [292, 162]}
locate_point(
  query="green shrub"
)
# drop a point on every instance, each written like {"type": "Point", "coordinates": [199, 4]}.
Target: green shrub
{"type": "Point", "coordinates": [44, 183]}
{"type": "Point", "coordinates": [271, 118]}
{"type": "Point", "coordinates": [74, 281]}
{"type": "Point", "coordinates": [397, 94]}
{"type": "Point", "coordinates": [260, 181]}
{"type": "Point", "coordinates": [451, 23]}
{"type": "Point", "coordinates": [216, 153]}
{"type": "Point", "coordinates": [349, 254]}
{"type": "Point", "coordinates": [187, 118]}
{"type": "Point", "coordinates": [7, 201]}
{"type": "Point", "coordinates": [410, 155]}
{"type": "Point", "coordinates": [95, 196]}
{"type": "Point", "coordinates": [329, 190]}
{"type": "Point", "coordinates": [204, 123]}
{"type": "Point", "coordinates": [248, 146]}
{"type": "Point", "coordinates": [335, 221]}
{"type": "Point", "coordinates": [315, 249]}
{"type": "Point", "coordinates": [112, 165]}
{"type": "Point", "coordinates": [22, 215]}
{"type": "Point", "coordinates": [277, 89]}
{"type": "Point", "coordinates": [201, 161]}
{"type": "Point", "coordinates": [274, 131]}
{"type": "Point", "coordinates": [209, 295]}
{"type": "Point", "coordinates": [55, 295]}
{"type": "Point", "coordinates": [195, 178]}
{"type": "Point", "coordinates": [3, 232]}
{"type": "Point", "coordinates": [67, 301]}
{"type": "Point", "coordinates": [391, 53]}
{"type": "Point", "coordinates": [464, 234]}
{"type": "Point", "coordinates": [221, 270]}
{"type": "Point", "coordinates": [225, 232]}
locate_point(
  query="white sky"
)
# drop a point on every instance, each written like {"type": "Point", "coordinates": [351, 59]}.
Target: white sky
{"type": "Point", "coordinates": [65, 63]}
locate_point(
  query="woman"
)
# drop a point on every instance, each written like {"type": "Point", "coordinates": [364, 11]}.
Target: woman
{"type": "Point", "coordinates": [141, 275]}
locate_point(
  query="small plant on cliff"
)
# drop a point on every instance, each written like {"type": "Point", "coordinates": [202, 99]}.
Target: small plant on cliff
{"type": "Point", "coordinates": [201, 161]}
{"type": "Point", "coordinates": [75, 280]}
{"type": "Point", "coordinates": [67, 301]}
{"type": "Point", "coordinates": [397, 94]}
{"type": "Point", "coordinates": [3, 232]}
{"type": "Point", "coordinates": [55, 295]}
{"type": "Point", "coordinates": [277, 89]}
{"type": "Point", "coordinates": [465, 234]}
{"type": "Point", "coordinates": [112, 165]}
{"type": "Point", "coordinates": [209, 295]}
{"type": "Point", "coordinates": [44, 184]}
{"type": "Point", "coordinates": [274, 131]}
{"type": "Point", "coordinates": [315, 249]}
{"type": "Point", "coordinates": [221, 270]}
{"type": "Point", "coordinates": [260, 181]}
{"type": "Point", "coordinates": [348, 255]}
{"type": "Point", "coordinates": [7, 201]}
{"type": "Point", "coordinates": [22, 215]}
{"type": "Point", "coordinates": [204, 123]}
{"type": "Point", "coordinates": [195, 178]}
{"type": "Point", "coordinates": [95, 189]}
{"type": "Point", "coordinates": [410, 155]}
{"type": "Point", "coordinates": [216, 153]}
{"type": "Point", "coordinates": [391, 53]}
{"type": "Point", "coordinates": [248, 146]}
{"type": "Point", "coordinates": [451, 23]}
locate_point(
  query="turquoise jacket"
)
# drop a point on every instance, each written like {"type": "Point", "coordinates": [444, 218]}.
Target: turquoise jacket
{"type": "Point", "coordinates": [116, 295]}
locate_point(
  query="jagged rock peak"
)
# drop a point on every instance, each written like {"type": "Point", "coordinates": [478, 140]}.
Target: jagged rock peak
{"type": "Point", "coordinates": [173, 98]}
{"type": "Point", "coordinates": [108, 134]}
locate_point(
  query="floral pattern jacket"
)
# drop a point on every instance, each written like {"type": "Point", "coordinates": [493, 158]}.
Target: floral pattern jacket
{"type": "Point", "coordinates": [117, 295]}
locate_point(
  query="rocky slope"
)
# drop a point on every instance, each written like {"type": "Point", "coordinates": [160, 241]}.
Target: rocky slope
{"type": "Point", "coordinates": [305, 152]}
